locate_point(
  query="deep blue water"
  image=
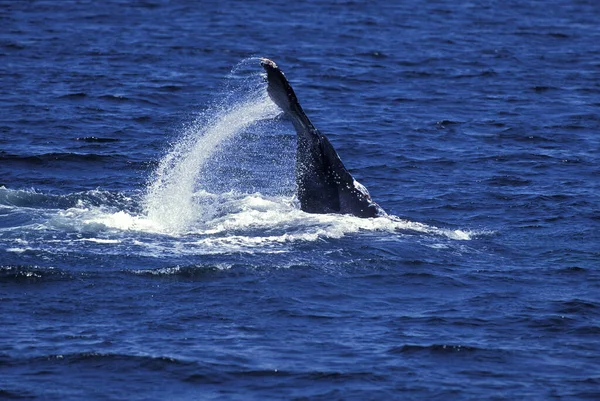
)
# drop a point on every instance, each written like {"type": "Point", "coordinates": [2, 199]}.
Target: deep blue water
{"type": "Point", "coordinates": [151, 246]}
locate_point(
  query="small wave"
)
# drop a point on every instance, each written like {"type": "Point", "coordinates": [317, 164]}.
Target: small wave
{"type": "Point", "coordinates": [22, 198]}
{"type": "Point", "coordinates": [114, 98]}
{"type": "Point", "coordinates": [443, 123]}
{"type": "Point", "coordinates": [438, 349]}
{"type": "Point", "coordinates": [56, 158]}
{"type": "Point", "coordinates": [311, 376]}
{"type": "Point", "coordinates": [32, 274]}
{"type": "Point", "coordinates": [99, 360]}
{"type": "Point", "coordinates": [374, 54]}
{"type": "Point", "coordinates": [96, 139]}
{"type": "Point", "coordinates": [572, 270]}
{"type": "Point", "coordinates": [543, 88]}
{"type": "Point", "coordinates": [578, 307]}
{"type": "Point", "coordinates": [182, 271]}
{"type": "Point", "coordinates": [32, 198]}
{"type": "Point", "coordinates": [508, 180]}
{"type": "Point", "coordinates": [74, 95]}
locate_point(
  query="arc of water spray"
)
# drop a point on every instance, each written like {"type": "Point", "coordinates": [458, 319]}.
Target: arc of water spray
{"type": "Point", "coordinates": [169, 200]}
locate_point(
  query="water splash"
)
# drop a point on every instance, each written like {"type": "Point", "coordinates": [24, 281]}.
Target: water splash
{"type": "Point", "coordinates": [227, 185]}
{"type": "Point", "coordinates": [175, 198]}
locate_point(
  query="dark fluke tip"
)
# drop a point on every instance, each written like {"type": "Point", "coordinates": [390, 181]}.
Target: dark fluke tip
{"type": "Point", "coordinates": [265, 62]}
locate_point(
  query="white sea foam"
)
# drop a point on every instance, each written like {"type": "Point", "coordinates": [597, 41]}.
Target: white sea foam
{"type": "Point", "coordinates": [102, 240]}
{"type": "Point", "coordinates": [17, 250]}
{"type": "Point", "coordinates": [256, 214]}
{"type": "Point", "coordinates": [247, 223]}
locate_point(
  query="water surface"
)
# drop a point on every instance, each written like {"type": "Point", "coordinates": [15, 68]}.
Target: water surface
{"type": "Point", "coordinates": [151, 246]}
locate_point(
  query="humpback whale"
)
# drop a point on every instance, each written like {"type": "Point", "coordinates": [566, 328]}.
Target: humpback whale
{"type": "Point", "coordinates": [324, 184]}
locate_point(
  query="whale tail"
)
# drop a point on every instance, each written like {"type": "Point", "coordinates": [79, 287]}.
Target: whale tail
{"type": "Point", "coordinates": [324, 184]}
{"type": "Point", "coordinates": [281, 93]}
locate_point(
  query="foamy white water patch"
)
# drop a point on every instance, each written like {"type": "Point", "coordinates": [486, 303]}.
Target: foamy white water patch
{"type": "Point", "coordinates": [99, 219]}
{"type": "Point", "coordinates": [250, 223]}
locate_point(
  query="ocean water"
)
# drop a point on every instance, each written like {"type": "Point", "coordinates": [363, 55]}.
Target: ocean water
{"type": "Point", "coordinates": [151, 245]}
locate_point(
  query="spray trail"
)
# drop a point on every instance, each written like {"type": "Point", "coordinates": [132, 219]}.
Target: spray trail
{"type": "Point", "coordinates": [171, 200]}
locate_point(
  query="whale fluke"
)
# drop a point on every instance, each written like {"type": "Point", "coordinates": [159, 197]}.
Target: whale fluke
{"type": "Point", "coordinates": [323, 182]}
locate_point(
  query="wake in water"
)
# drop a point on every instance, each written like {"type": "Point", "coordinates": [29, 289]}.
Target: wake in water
{"type": "Point", "coordinates": [227, 185]}
{"type": "Point", "coordinates": [249, 223]}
